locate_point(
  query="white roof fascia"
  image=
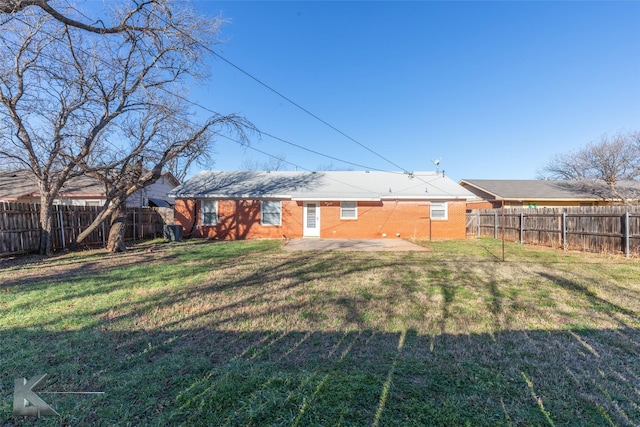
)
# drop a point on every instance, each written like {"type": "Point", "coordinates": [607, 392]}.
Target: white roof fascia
{"type": "Point", "coordinates": [238, 197]}
{"type": "Point", "coordinates": [424, 199]}
{"type": "Point", "coordinates": [337, 199]}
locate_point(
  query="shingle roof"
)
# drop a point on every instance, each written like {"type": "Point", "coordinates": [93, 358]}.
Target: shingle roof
{"type": "Point", "coordinates": [330, 185]}
{"type": "Point", "coordinates": [16, 184]}
{"type": "Point", "coordinates": [547, 189]}
{"type": "Point", "coordinates": [21, 183]}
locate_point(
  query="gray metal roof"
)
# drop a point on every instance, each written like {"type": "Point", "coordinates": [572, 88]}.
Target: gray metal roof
{"type": "Point", "coordinates": [330, 185]}
{"type": "Point", "coordinates": [546, 189]}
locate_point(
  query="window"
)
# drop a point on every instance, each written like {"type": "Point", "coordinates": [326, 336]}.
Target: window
{"type": "Point", "coordinates": [271, 213]}
{"type": "Point", "coordinates": [209, 212]}
{"type": "Point", "coordinates": [439, 210]}
{"type": "Point", "coordinates": [348, 210]}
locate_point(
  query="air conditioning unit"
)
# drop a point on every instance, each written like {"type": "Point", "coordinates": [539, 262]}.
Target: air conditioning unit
{"type": "Point", "coordinates": [173, 233]}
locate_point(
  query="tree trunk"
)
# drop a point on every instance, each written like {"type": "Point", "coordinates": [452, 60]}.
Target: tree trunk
{"type": "Point", "coordinates": [46, 225]}
{"type": "Point", "coordinates": [116, 233]}
{"type": "Point", "coordinates": [102, 216]}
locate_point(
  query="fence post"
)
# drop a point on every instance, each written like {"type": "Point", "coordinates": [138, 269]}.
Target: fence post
{"type": "Point", "coordinates": [521, 228]}
{"type": "Point", "coordinates": [564, 231]}
{"type": "Point", "coordinates": [478, 222]}
{"type": "Point", "coordinates": [626, 234]}
{"type": "Point", "coordinates": [495, 225]}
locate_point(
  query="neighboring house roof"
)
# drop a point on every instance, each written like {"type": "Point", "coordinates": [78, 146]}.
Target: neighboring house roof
{"type": "Point", "coordinates": [547, 190]}
{"type": "Point", "coordinates": [171, 179]}
{"type": "Point", "coordinates": [18, 184]}
{"type": "Point", "coordinates": [330, 185]}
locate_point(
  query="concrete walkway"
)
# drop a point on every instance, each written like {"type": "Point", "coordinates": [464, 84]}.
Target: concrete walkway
{"type": "Point", "coordinates": [390, 245]}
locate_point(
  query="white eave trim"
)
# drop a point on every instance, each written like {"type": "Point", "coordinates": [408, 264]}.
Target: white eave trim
{"type": "Point", "coordinates": [336, 199]}
{"type": "Point", "coordinates": [547, 199]}
{"type": "Point", "coordinates": [426, 199]}
{"type": "Point", "coordinates": [232, 197]}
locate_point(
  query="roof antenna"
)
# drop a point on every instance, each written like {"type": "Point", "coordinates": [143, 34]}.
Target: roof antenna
{"type": "Point", "coordinates": [437, 163]}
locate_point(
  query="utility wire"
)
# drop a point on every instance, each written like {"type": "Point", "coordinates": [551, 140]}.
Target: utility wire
{"type": "Point", "coordinates": [319, 153]}
{"type": "Point", "coordinates": [183, 98]}
{"type": "Point", "coordinates": [301, 107]}
{"type": "Point", "coordinates": [281, 95]}
{"type": "Point", "coordinates": [298, 166]}
{"type": "Point", "coordinates": [207, 48]}
{"type": "Point", "coordinates": [276, 137]}
{"type": "Point", "coordinates": [265, 85]}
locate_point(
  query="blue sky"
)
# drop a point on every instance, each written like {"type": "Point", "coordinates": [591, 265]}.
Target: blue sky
{"type": "Point", "coordinates": [493, 88]}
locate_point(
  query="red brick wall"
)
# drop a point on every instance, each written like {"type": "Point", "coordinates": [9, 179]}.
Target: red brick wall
{"type": "Point", "coordinates": [409, 219]}
{"type": "Point", "coordinates": [238, 219]}
{"type": "Point", "coordinates": [455, 226]}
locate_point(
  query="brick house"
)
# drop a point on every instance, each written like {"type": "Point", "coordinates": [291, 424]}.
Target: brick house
{"type": "Point", "coordinates": [352, 204]}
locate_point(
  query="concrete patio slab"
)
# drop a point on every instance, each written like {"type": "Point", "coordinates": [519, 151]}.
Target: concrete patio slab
{"type": "Point", "coordinates": [390, 245]}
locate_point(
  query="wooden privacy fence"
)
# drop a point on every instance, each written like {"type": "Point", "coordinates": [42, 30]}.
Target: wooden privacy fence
{"type": "Point", "coordinates": [608, 229]}
{"type": "Point", "coordinates": [20, 227]}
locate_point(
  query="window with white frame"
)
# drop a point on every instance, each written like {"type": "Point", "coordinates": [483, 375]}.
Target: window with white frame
{"type": "Point", "coordinates": [271, 212]}
{"type": "Point", "coordinates": [439, 211]}
{"type": "Point", "coordinates": [348, 210]}
{"type": "Point", "coordinates": [209, 212]}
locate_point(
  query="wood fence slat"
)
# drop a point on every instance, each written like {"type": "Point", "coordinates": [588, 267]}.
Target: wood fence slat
{"type": "Point", "coordinates": [20, 226]}
{"type": "Point", "coordinates": [592, 229]}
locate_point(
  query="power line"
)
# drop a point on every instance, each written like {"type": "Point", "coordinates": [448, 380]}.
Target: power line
{"type": "Point", "coordinates": [286, 98]}
{"type": "Point", "coordinates": [300, 147]}
{"type": "Point", "coordinates": [319, 153]}
{"type": "Point", "coordinates": [295, 165]}
{"type": "Point", "coordinates": [276, 137]}
{"type": "Point", "coordinates": [301, 107]}
{"type": "Point", "coordinates": [207, 48]}
{"type": "Point", "coordinates": [265, 85]}
{"type": "Point", "coordinates": [183, 98]}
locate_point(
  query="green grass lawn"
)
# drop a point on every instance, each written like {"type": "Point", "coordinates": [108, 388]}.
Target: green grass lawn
{"type": "Point", "coordinates": [244, 333]}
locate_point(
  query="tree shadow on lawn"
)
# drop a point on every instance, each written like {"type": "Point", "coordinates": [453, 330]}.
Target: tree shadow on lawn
{"type": "Point", "coordinates": [39, 272]}
{"type": "Point", "coordinates": [223, 364]}
{"type": "Point", "coordinates": [360, 377]}
{"type": "Point", "coordinates": [596, 302]}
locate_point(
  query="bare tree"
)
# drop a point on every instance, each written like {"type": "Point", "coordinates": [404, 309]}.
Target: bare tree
{"type": "Point", "coordinates": [74, 18]}
{"type": "Point", "coordinates": [157, 137]}
{"type": "Point", "coordinates": [333, 167]}
{"type": "Point", "coordinates": [69, 93]}
{"type": "Point", "coordinates": [609, 161]}
{"type": "Point", "coordinates": [275, 162]}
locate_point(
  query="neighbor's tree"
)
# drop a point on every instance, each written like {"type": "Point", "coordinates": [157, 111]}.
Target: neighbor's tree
{"type": "Point", "coordinates": [609, 162]}
{"type": "Point", "coordinates": [275, 162]}
{"type": "Point", "coordinates": [69, 91]}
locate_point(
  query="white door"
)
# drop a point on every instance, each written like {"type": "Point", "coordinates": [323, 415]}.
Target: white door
{"type": "Point", "coordinates": [311, 219]}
